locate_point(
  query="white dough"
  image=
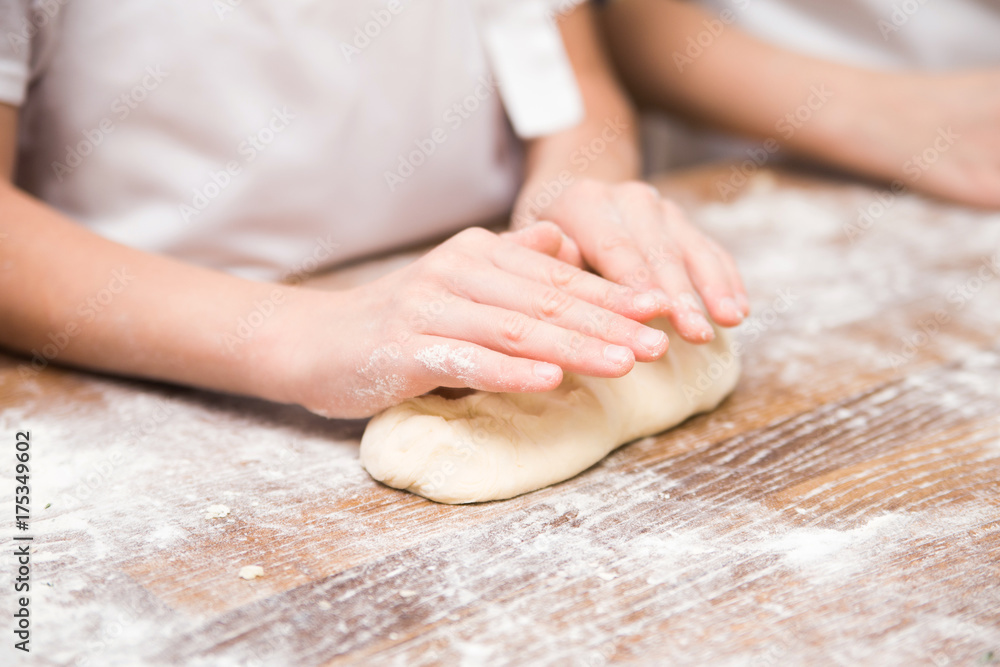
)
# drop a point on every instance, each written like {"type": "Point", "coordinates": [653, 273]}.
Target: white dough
{"type": "Point", "coordinates": [488, 446]}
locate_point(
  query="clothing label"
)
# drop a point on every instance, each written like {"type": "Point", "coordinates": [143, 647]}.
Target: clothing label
{"type": "Point", "coordinates": [537, 83]}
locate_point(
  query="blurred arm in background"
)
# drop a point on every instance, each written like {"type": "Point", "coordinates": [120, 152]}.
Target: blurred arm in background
{"type": "Point", "coordinates": [936, 133]}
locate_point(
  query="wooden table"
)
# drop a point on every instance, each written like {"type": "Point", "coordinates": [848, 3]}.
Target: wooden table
{"type": "Point", "coordinates": [840, 508]}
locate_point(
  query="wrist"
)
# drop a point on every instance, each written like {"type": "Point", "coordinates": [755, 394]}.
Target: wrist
{"type": "Point", "coordinates": [265, 344]}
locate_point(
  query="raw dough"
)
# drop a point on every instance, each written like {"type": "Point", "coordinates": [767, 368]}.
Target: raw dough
{"type": "Point", "coordinates": [488, 446]}
{"type": "Point", "coordinates": [216, 512]}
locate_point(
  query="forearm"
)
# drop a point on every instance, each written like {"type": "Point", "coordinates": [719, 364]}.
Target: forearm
{"type": "Point", "coordinates": [736, 81]}
{"type": "Point", "coordinates": [70, 296]}
{"type": "Point", "coordinates": [604, 146]}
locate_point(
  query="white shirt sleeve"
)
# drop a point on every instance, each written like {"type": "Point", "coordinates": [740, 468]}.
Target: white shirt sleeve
{"type": "Point", "coordinates": [527, 55]}
{"type": "Point", "coordinates": [26, 27]}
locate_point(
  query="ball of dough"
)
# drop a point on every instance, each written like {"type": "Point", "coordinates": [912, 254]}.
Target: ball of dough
{"type": "Point", "coordinates": [490, 446]}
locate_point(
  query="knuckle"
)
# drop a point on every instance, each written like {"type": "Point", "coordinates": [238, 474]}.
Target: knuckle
{"type": "Point", "coordinates": [434, 263]}
{"type": "Point", "coordinates": [639, 191]}
{"type": "Point", "coordinates": [664, 255]}
{"type": "Point", "coordinates": [616, 295]}
{"type": "Point", "coordinates": [672, 211]}
{"type": "Point", "coordinates": [474, 235]}
{"type": "Point", "coordinates": [553, 304]}
{"type": "Point", "coordinates": [563, 275]}
{"type": "Point", "coordinates": [616, 242]}
{"type": "Point", "coordinates": [590, 188]}
{"type": "Point", "coordinates": [515, 328]}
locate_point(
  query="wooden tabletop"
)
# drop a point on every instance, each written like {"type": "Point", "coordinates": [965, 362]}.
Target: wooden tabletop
{"type": "Point", "coordinates": [842, 507]}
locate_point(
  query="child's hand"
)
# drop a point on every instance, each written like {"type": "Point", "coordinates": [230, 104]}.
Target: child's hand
{"type": "Point", "coordinates": [632, 236]}
{"type": "Point", "coordinates": [479, 311]}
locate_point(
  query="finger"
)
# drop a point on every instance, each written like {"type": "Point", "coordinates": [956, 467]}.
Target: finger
{"type": "Point", "coordinates": [576, 282]}
{"type": "Point", "coordinates": [710, 277]}
{"type": "Point", "coordinates": [611, 248]}
{"type": "Point", "coordinates": [570, 251]}
{"type": "Point", "coordinates": [543, 237]}
{"type": "Point", "coordinates": [710, 268]}
{"type": "Point", "coordinates": [519, 335]}
{"type": "Point", "coordinates": [550, 304]}
{"type": "Point", "coordinates": [546, 237]}
{"type": "Point", "coordinates": [446, 362]}
{"type": "Point", "coordinates": [736, 282]}
{"type": "Point", "coordinates": [664, 264]}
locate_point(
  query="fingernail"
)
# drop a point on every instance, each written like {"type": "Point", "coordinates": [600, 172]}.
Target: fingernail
{"type": "Point", "coordinates": [728, 307]}
{"type": "Point", "coordinates": [698, 321]}
{"type": "Point", "coordinates": [644, 302]}
{"type": "Point", "coordinates": [618, 355]}
{"type": "Point", "coordinates": [546, 371]}
{"type": "Point", "coordinates": [652, 339]}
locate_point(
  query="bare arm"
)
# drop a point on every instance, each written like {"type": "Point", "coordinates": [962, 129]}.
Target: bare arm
{"type": "Point", "coordinates": [879, 124]}
{"type": "Point", "coordinates": [583, 179]}
{"type": "Point", "coordinates": [610, 125]}
{"type": "Point", "coordinates": [8, 141]}
{"type": "Point", "coordinates": [70, 296]}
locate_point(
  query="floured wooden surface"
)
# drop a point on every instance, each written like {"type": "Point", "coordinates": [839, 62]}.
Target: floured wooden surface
{"type": "Point", "coordinates": [842, 507]}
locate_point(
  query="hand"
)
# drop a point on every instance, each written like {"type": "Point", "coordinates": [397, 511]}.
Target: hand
{"type": "Point", "coordinates": [939, 134]}
{"type": "Point", "coordinates": [479, 311]}
{"type": "Point", "coordinates": [632, 236]}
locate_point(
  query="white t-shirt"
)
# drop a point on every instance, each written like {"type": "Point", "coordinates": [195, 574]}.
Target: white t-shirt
{"type": "Point", "coordinates": [262, 137]}
{"type": "Point", "coordinates": [881, 34]}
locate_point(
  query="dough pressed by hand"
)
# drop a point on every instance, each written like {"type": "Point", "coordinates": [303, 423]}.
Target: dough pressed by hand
{"type": "Point", "coordinates": [488, 446]}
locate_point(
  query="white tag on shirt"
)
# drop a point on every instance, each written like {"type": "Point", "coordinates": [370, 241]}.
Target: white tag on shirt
{"type": "Point", "coordinates": [537, 83]}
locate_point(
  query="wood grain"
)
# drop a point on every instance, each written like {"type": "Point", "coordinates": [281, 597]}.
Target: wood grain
{"type": "Point", "coordinates": [841, 507]}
